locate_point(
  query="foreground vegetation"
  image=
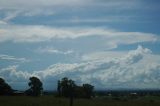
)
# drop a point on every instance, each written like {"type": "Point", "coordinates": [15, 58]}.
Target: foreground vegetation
{"type": "Point", "coordinates": [70, 94]}
{"type": "Point", "coordinates": [52, 101]}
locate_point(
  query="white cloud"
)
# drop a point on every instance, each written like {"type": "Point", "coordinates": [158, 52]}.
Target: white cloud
{"type": "Point", "coordinates": [11, 74]}
{"type": "Point", "coordinates": [50, 7]}
{"type": "Point", "coordinates": [52, 50]}
{"type": "Point", "coordinates": [12, 58]}
{"type": "Point", "coordinates": [37, 3]}
{"type": "Point", "coordinates": [134, 56]}
{"type": "Point", "coordinates": [107, 55]}
{"type": "Point", "coordinates": [51, 3]}
{"type": "Point", "coordinates": [11, 15]}
{"type": "Point", "coordinates": [2, 22]}
{"type": "Point", "coordinates": [18, 8]}
{"type": "Point", "coordinates": [112, 55]}
{"type": "Point", "coordinates": [112, 19]}
{"type": "Point", "coordinates": [136, 69]}
{"type": "Point", "coordinates": [36, 12]}
{"type": "Point", "coordinates": [17, 33]}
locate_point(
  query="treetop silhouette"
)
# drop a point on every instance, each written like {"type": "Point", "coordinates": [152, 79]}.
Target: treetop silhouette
{"type": "Point", "coordinates": [5, 89]}
{"type": "Point", "coordinates": [36, 87]}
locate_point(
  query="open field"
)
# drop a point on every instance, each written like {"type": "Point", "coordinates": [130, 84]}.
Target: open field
{"type": "Point", "coordinates": [52, 101]}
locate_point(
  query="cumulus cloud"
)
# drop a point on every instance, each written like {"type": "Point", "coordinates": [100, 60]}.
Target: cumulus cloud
{"type": "Point", "coordinates": [11, 74]}
{"type": "Point", "coordinates": [135, 56]}
{"type": "Point", "coordinates": [132, 70]}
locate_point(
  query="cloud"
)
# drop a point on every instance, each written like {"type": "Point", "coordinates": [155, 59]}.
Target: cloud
{"type": "Point", "coordinates": [36, 12]}
{"type": "Point", "coordinates": [24, 10]}
{"type": "Point", "coordinates": [104, 19]}
{"type": "Point", "coordinates": [51, 50]}
{"type": "Point", "coordinates": [135, 56]}
{"type": "Point", "coordinates": [2, 22]}
{"type": "Point", "coordinates": [51, 3]}
{"type": "Point", "coordinates": [35, 33]}
{"type": "Point", "coordinates": [132, 56]}
{"type": "Point", "coordinates": [11, 74]}
{"type": "Point", "coordinates": [12, 58]}
{"type": "Point", "coordinates": [11, 15]}
{"type": "Point", "coordinates": [50, 7]}
{"type": "Point", "coordinates": [132, 70]}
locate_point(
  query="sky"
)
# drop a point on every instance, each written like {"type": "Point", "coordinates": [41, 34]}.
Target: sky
{"type": "Point", "coordinates": [111, 44]}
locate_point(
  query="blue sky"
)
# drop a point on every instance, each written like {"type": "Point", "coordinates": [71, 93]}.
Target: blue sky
{"type": "Point", "coordinates": [108, 43]}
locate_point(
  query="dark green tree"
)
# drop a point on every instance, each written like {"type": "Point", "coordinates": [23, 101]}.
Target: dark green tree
{"type": "Point", "coordinates": [71, 91]}
{"type": "Point", "coordinates": [79, 92]}
{"type": "Point", "coordinates": [88, 89]}
{"type": "Point", "coordinates": [5, 89]}
{"type": "Point", "coordinates": [59, 88]}
{"type": "Point", "coordinates": [65, 87]}
{"type": "Point", "coordinates": [36, 86]}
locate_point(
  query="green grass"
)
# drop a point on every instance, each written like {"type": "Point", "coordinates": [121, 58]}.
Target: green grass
{"type": "Point", "coordinates": [52, 101]}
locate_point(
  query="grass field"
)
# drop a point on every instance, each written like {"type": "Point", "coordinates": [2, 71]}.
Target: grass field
{"type": "Point", "coordinates": [52, 101]}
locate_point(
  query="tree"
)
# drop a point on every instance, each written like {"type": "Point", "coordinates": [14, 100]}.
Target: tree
{"type": "Point", "coordinates": [66, 88]}
{"type": "Point", "coordinates": [5, 89]}
{"type": "Point", "coordinates": [36, 86]}
{"type": "Point", "coordinates": [59, 88]}
{"type": "Point", "coordinates": [71, 91]}
{"type": "Point", "coordinates": [79, 92]}
{"type": "Point", "coordinates": [88, 89]}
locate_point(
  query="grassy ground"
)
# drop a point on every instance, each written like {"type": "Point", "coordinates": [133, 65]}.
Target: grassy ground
{"type": "Point", "coordinates": [52, 101]}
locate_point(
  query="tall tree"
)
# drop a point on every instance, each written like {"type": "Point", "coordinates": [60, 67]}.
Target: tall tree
{"type": "Point", "coordinates": [88, 89]}
{"type": "Point", "coordinates": [59, 88]}
{"type": "Point", "coordinates": [5, 89]}
{"type": "Point", "coordinates": [65, 86]}
{"type": "Point", "coordinates": [71, 91]}
{"type": "Point", "coordinates": [36, 86]}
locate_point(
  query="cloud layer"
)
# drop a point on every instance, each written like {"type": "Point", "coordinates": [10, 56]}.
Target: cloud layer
{"type": "Point", "coordinates": [23, 8]}
{"type": "Point", "coordinates": [49, 3]}
{"type": "Point", "coordinates": [12, 58]}
{"type": "Point", "coordinates": [32, 34]}
{"type": "Point", "coordinates": [132, 70]}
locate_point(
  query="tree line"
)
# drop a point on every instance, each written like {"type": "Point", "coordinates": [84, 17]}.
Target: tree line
{"type": "Point", "coordinates": [65, 88]}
